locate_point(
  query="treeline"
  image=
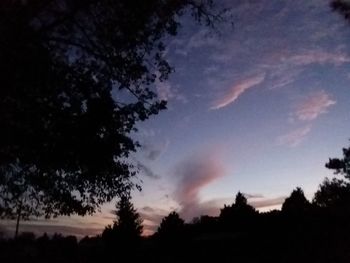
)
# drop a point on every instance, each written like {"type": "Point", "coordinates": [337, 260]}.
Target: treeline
{"type": "Point", "coordinates": [302, 231]}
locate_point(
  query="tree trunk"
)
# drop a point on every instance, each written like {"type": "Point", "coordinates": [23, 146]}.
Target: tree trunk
{"type": "Point", "coordinates": [18, 218]}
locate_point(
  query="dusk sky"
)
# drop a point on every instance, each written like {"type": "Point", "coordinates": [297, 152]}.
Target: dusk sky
{"type": "Point", "coordinates": [258, 108]}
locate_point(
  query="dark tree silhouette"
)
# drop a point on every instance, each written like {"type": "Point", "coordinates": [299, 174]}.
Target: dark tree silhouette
{"type": "Point", "coordinates": [76, 76]}
{"type": "Point", "coordinates": [341, 165]}
{"type": "Point", "coordinates": [342, 7]}
{"type": "Point", "coordinates": [241, 200]}
{"type": "Point", "coordinates": [296, 204]}
{"type": "Point", "coordinates": [238, 213]}
{"type": "Point", "coordinates": [128, 225]}
{"type": "Point", "coordinates": [333, 193]}
{"type": "Point", "coordinates": [171, 227]}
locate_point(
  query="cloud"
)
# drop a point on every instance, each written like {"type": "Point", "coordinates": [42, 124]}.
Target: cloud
{"type": "Point", "coordinates": [314, 105]}
{"type": "Point", "coordinates": [145, 170]}
{"type": "Point", "coordinates": [237, 90]}
{"type": "Point", "coordinates": [308, 110]}
{"type": "Point", "coordinates": [152, 218]}
{"type": "Point", "coordinates": [148, 209]}
{"type": "Point", "coordinates": [201, 38]}
{"type": "Point", "coordinates": [319, 57]}
{"type": "Point", "coordinates": [194, 174]}
{"type": "Point", "coordinates": [253, 196]}
{"type": "Point", "coordinates": [295, 137]}
{"type": "Point", "coordinates": [153, 151]}
{"type": "Point", "coordinates": [282, 75]}
{"type": "Point", "coordinates": [167, 92]}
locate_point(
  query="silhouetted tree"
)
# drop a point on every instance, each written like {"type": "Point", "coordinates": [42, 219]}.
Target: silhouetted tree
{"type": "Point", "coordinates": [76, 76]}
{"type": "Point", "coordinates": [342, 6]}
{"type": "Point", "coordinates": [296, 204]}
{"type": "Point", "coordinates": [333, 193]}
{"type": "Point", "coordinates": [128, 225]}
{"type": "Point", "coordinates": [240, 212]}
{"type": "Point", "coordinates": [341, 165]}
{"type": "Point", "coordinates": [171, 227]}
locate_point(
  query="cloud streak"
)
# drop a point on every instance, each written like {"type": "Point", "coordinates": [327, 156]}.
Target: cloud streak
{"type": "Point", "coordinates": [313, 106]}
{"type": "Point", "coordinates": [319, 57]}
{"type": "Point", "coordinates": [145, 170]}
{"type": "Point", "coordinates": [295, 137]}
{"type": "Point", "coordinates": [237, 90]}
{"type": "Point", "coordinates": [308, 110]}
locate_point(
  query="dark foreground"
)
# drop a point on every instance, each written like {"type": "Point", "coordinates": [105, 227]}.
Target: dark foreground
{"type": "Point", "coordinates": [298, 240]}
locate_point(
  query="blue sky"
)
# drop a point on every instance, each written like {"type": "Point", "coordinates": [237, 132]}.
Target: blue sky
{"type": "Point", "coordinates": [258, 107]}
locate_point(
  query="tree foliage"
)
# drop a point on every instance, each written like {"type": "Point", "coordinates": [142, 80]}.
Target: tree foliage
{"type": "Point", "coordinates": [239, 211]}
{"type": "Point", "coordinates": [128, 225]}
{"type": "Point", "coordinates": [341, 165]}
{"type": "Point", "coordinates": [76, 77]}
{"type": "Point", "coordinates": [296, 203]}
{"type": "Point", "coordinates": [342, 7]}
{"type": "Point", "coordinates": [171, 227]}
{"type": "Point", "coordinates": [333, 193]}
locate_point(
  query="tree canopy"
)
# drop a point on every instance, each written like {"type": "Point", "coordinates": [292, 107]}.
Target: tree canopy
{"type": "Point", "coordinates": [76, 77]}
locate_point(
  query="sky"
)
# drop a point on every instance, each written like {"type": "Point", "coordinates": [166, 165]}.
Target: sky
{"type": "Point", "coordinates": [256, 107]}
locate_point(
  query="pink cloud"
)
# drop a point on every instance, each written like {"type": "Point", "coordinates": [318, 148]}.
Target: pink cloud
{"type": "Point", "coordinates": [195, 174]}
{"type": "Point", "coordinates": [314, 105]}
{"type": "Point", "coordinates": [237, 90]}
{"type": "Point", "coordinates": [295, 137]}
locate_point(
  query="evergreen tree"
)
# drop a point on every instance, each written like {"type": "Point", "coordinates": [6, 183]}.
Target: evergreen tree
{"type": "Point", "coordinates": [128, 225]}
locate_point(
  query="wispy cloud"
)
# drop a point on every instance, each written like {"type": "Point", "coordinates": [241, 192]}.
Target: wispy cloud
{"type": "Point", "coordinates": [237, 90]}
{"type": "Point", "coordinates": [194, 174]}
{"type": "Point", "coordinates": [201, 38]}
{"type": "Point", "coordinates": [313, 105]}
{"type": "Point", "coordinates": [146, 170]}
{"type": "Point", "coordinates": [253, 196]}
{"type": "Point", "coordinates": [319, 57]}
{"type": "Point", "coordinates": [152, 151]}
{"type": "Point", "coordinates": [295, 137]}
{"type": "Point", "coordinates": [167, 92]}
